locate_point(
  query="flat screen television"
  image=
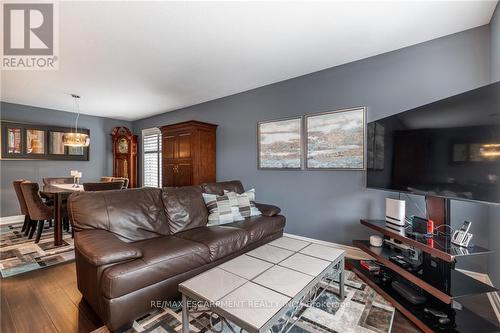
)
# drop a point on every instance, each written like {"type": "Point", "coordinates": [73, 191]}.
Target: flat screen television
{"type": "Point", "coordinates": [449, 148]}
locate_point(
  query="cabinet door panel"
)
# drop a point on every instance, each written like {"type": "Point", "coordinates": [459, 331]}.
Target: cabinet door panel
{"type": "Point", "coordinates": [168, 177]}
{"type": "Point", "coordinates": [169, 147]}
{"type": "Point", "coordinates": [184, 174]}
{"type": "Point", "coordinates": [184, 145]}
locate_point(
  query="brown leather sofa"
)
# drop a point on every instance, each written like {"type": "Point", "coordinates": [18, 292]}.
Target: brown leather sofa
{"type": "Point", "coordinates": [133, 247]}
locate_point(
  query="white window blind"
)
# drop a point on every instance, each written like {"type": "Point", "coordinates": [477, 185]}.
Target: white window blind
{"type": "Point", "coordinates": [151, 162]}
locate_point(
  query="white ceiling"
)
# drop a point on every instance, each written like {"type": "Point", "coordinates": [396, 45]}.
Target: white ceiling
{"type": "Point", "coordinates": [131, 60]}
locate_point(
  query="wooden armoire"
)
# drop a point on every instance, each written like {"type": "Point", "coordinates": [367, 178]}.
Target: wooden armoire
{"type": "Point", "coordinates": [188, 153]}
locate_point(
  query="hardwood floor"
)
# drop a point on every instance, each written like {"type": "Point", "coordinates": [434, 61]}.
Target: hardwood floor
{"type": "Point", "coordinates": [48, 300]}
{"type": "Point", "coordinates": [45, 300]}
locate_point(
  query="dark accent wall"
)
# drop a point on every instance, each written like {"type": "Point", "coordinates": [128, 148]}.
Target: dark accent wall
{"type": "Point", "coordinates": [328, 204]}
{"type": "Point", "coordinates": [100, 163]}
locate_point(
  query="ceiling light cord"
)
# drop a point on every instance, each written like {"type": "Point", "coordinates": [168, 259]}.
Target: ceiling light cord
{"type": "Point", "coordinates": [77, 104]}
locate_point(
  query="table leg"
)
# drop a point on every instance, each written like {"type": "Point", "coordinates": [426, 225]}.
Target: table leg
{"type": "Point", "coordinates": [185, 315]}
{"type": "Point", "coordinates": [58, 219]}
{"type": "Point", "coordinates": [341, 279]}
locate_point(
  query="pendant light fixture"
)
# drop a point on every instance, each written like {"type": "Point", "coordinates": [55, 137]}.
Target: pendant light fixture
{"type": "Point", "coordinates": [75, 139]}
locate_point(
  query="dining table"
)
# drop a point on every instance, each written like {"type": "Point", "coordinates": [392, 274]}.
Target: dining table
{"type": "Point", "coordinates": [59, 193]}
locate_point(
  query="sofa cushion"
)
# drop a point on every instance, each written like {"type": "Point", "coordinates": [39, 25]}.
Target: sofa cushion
{"type": "Point", "coordinates": [220, 240]}
{"type": "Point", "coordinates": [132, 215]}
{"type": "Point", "coordinates": [162, 257]}
{"type": "Point", "coordinates": [219, 187]}
{"type": "Point", "coordinates": [259, 227]}
{"type": "Point", "coordinates": [185, 207]}
{"type": "Point", "coordinates": [221, 209]}
{"type": "Point", "coordinates": [244, 201]}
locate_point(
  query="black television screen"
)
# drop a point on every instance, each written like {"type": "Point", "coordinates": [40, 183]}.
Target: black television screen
{"type": "Point", "coordinates": [449, 148]}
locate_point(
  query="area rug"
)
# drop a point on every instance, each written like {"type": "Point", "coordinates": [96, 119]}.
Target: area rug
{"type": "Point", "coordinates": [363, 311]}
{"type": "Point", "coordinates": [18, 254]}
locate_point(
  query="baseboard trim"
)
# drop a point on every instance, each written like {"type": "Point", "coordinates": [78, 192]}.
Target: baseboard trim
{"type": "Point", "coordinates": [11, 219]}
{"type": "Point", "coordinates": [351, 251]}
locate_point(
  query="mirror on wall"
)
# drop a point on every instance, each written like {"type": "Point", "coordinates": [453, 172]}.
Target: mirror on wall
{"type": "Point", "coordinates": [38, 142]}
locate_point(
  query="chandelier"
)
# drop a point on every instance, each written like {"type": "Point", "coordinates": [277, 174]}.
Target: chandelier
{"type": "Point", "coordinates": [76, 139]}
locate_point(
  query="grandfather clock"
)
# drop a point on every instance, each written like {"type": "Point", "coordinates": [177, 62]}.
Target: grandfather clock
{"type": "Point", "coordinates": [125, 154]}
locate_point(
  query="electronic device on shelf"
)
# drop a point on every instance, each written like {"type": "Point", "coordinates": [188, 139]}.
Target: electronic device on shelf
{"type": "Point", "coordinates": [462, 237]}
{"type": "Point", "coordinates": [369, 265]}
{"type": "Point", "coordinates": [422, 226]}
{"type": "Point", "coordinates": [399, 260]}
{"type": "Point", "coordinates": [409, 293]}
{"type": "Point", "coordinates": [442, 318]}
{"type": "Point", "coordinates": [409, 251]}
{"type": "Point", "coordinates": [395, 218]}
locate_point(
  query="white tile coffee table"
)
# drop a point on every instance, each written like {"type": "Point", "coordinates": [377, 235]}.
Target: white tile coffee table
{"type": "Point", "coordinates": [256, 289]}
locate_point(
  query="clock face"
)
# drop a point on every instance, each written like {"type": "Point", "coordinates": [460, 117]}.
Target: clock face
{"type": "Point", "coordinates": [123, 146]}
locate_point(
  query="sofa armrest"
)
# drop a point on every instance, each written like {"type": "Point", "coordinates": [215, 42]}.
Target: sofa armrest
{"type": "Point", "coordinates": [268, 210]}
{"type": "Point", "coordinates": [101, 247]}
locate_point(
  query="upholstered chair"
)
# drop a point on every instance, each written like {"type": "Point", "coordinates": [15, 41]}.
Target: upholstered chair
{"type": "Point", "coordinates": [22, 205]}
{"type": "Point", "coordinates": [106, 179]}
{"type": "Point", "coordinates": [113, 179]}
{"type": "Point", "coordinates": [115, 185]}
{"type": "Point", "coordinates": [39, 212]}
{"type": "Point", "coordinates": [125, 181]}
{"type": "Point", "coordinates": [49, 199]}
{"type": "Point", "coordinates": [57, 180]}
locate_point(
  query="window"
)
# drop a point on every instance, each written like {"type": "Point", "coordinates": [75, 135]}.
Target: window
{"type": "Point", "coordinates": [151, 157]}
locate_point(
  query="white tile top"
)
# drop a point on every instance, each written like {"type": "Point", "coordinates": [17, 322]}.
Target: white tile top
{"type": "Point", "coordinates": [253, 304]}
{"type": "Point", "coordinates": [291, 244]}
{"type": "Point", "coordinates": [305, 264]}
{"type": "Point", "coordinates": [270, 253]}
{"type": "Point", "coordinates": [322, 252]}
{"type": "Point", "coordinates": [246, 266]}
{"type": "Point", "coordinates": [283, 280]}
{"type": "Point", "coordinates": [213, 284]}
{"type": "Point", "coordinates": [255, 286]}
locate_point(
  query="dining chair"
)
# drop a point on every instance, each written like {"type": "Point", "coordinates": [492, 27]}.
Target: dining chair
{"type": "Point", "coordinates": [49, 200]}
{"type": "Point", "coordinates": [113, 179]}
{"type": "Point", "coordinates": [115, 185]}
{"type": "Point", "coordinates": [39, 212]}
{"type": "Point", "coordinates": [106, 179]}
{"type": "Point", "coordinates": [57, 180]}
{"type": "Point", "coordinates": [22, 205]}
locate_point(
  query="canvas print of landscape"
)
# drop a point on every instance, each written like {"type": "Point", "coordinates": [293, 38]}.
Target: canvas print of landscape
{"type": "Point", "coordinates": [279, 144]}
{"type": "Point", "coordinates": [336, 140]}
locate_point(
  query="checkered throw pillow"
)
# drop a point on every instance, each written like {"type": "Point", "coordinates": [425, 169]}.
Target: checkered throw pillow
{"type": "Point", "coordinates": [221, 209]}
{"type": "Point", "coordinates": [245, 202]}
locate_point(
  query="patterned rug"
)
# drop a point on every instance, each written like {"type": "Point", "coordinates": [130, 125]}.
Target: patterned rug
{"type": "Point", "coordinates": [18, 254]}
{"type": "Point", "coordinates": [363, 311]}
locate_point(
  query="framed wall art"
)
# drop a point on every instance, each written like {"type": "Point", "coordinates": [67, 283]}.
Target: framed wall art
{"type": "Point", "coordinates": [280, 144]}
{"type": "Point", "coordinates": [335, 140]}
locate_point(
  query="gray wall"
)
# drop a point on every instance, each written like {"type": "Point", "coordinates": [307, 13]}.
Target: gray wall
{"type": "Point", "coordinates": [328, 204]}
{"type": "Point", "coordinates": [321, 204]}
{"type": "Point", "coordinates": [100, 163]}
{"type": "Point", "coordinates": [495, 45]}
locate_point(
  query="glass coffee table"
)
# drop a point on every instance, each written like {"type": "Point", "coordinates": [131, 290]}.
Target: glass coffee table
{"type": "Point", "coordinates": [266, 286]}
